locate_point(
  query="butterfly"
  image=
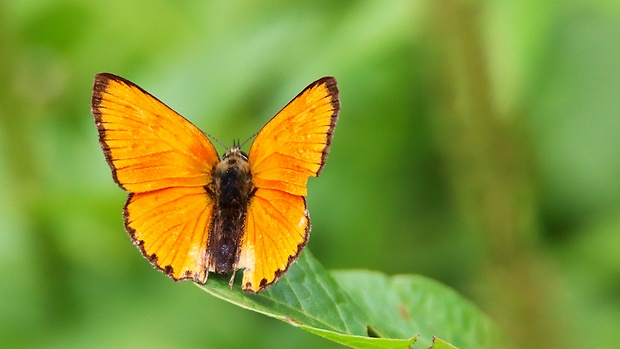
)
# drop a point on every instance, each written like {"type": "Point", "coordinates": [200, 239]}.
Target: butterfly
{"type": "Point", "coordinates": [191, 213]}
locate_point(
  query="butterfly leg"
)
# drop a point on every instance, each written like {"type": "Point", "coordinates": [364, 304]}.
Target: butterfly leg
{"type": "Point", "coordinates": [232, 279]}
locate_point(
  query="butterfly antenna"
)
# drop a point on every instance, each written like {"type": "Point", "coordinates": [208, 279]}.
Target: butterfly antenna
{"type": "Point", "coordinates": [216, 140]}
{"type": "Point", "coordinates": [251, 137]}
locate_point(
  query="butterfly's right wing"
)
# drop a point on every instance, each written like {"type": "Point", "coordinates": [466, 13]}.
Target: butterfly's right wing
{"type": "Point", "coordinates": [165, 163]}
{"type": "Point", "coordinates": [288, 150]}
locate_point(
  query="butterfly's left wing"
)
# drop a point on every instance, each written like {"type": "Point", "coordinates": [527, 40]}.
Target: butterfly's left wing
{"type": "Point", "coordinates": [290, 148]}
{"type": "Point", "coordinates": [165, 163]}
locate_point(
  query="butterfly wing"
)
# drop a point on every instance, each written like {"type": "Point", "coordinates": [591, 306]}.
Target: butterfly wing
{"type": "Point", "coordinates": [288, 150]}
{"type": "Point", "coordinates": [164, 162]}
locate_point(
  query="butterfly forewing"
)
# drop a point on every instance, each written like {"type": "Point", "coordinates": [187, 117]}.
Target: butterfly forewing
{"type": "Point", "coordinates": [293, 145]}
{"type": "Point", "coordinates": [148, 145]}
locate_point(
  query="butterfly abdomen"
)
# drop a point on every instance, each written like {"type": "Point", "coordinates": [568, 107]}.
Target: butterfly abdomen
{"type": "Point", "coordinates": [231, 188]}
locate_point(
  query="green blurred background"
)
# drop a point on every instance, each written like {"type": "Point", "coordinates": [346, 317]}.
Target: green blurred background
{"type": "Point", "coordinates": [478, 144]}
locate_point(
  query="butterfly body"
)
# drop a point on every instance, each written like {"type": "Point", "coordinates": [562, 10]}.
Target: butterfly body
{"type": "Point", "coordinates": [231, 190]}
{"type": "Point", "coordinates": [192, 214]}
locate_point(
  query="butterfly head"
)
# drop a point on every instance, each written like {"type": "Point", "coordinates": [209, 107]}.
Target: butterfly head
{"type": "Point", "coordinates": [235, 153]}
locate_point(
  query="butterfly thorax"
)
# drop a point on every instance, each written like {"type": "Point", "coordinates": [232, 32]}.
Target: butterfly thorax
{"type": "Point", "coordinates": [231, 189]}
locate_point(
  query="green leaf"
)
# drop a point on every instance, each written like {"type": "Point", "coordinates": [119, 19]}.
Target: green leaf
{"type": "Point", "coordinates": [403, 305]}
{"type": "Point", "coordinates": [362, 309]}
{"type": "Point", "coordinates": [441, 344]}
{"type": "Point", "coordinates": [362, 341]}
{"type": "Point", "coordinates": [307, 295]}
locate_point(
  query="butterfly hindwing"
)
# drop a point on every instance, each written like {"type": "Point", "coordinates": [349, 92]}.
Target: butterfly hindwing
{"type": "Point", "coordinates": [164, 162]}
{"type": "Point", "coordinates": [277, 228]}
{"type": "Point", "coordinates": [171, 226]}
{"type": "Point", "coordinates": [289, 149]}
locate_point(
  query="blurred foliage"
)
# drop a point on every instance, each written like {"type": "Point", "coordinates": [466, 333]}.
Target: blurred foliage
{"type": "Point", "coordinates": [478, 144]}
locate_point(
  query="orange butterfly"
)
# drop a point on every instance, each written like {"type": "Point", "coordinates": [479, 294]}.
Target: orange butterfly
{"type": "Point", "coordinates": [191, 213]}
